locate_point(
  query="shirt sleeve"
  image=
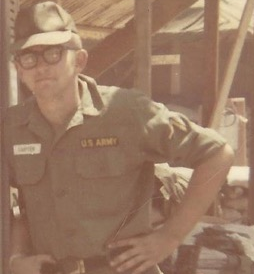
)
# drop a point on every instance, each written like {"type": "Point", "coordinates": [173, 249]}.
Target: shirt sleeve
{"type": "Point", "coordinates": [190, 144]}
{"type": "Point", "coordinates": [171, 137]}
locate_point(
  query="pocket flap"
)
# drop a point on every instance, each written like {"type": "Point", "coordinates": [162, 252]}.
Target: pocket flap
{"type": "Point", "coordinates": [100, 163]}
{"type": "Point", "coordinates": [29, 168]}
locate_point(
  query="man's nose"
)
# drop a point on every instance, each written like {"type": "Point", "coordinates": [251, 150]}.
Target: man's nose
{"type": "Point", "coordinates": [41, 63]}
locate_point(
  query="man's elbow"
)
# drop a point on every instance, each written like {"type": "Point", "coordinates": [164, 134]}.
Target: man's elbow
{"type": "Point", "coordinates": [229, 153]}
{"type": "Point", "coordinates": [226, 156]}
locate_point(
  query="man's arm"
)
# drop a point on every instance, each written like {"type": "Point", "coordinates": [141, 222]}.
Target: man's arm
{"type": "Point", "coordinates": [204, 185]}
{"type": "Point", "coordinates": [21, 260]}
{"type": "Point", "coordinates": [20, 238]}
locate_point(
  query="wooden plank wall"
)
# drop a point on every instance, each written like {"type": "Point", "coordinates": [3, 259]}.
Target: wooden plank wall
{"type": "Point", "coordinates": [120, 43]}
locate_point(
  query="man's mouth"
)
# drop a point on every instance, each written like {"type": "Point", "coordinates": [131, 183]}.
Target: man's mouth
{"type": "Point", "coordinates": [46, 78]}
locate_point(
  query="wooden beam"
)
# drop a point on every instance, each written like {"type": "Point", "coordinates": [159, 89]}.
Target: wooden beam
{"type": "Point", "coordinates": [232, 65]}
{"type": "Point", "coordinates": [121, 43]}
{"type": "Point", "coordinates": [94, 33]}
{"type": "Point", "coordinates": [169, 59]}
{"type": "Point", "coordinates": [211, 37]}
{"type": "Point", "coordinates": [143, 46]}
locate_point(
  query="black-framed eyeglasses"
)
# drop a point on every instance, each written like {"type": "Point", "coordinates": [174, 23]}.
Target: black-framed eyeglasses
{"type": "Point", "coordinates": [28, 59]}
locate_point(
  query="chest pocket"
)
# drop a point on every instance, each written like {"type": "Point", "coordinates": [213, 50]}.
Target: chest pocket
{"type": "Point", "coordinates": [29, 168]}
{"type": "Point", "coordinates": [101, 162]}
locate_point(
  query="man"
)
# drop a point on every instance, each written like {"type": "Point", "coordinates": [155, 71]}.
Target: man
{"type": "Point", "coordinates": [82, 157]}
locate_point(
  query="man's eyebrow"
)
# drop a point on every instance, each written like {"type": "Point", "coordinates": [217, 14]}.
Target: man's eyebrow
{"type": "Point", "coordinates": [35, 50]}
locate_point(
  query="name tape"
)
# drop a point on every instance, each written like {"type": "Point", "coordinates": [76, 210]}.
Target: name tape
{"type": "Point", "coordinates": [27, 149]}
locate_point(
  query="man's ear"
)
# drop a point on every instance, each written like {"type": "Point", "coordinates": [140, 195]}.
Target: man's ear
{"type": "Point", "coordinates": [81, 60]}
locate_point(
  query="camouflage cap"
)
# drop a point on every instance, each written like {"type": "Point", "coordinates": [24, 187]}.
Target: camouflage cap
{"type": "Point", "coordinates": [44, 23]}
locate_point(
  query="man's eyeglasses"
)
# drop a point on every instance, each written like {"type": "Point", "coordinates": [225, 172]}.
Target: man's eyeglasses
{"type": "Point", "coordinates": [28, 59]}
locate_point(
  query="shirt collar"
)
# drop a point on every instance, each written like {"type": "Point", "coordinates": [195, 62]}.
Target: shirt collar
{"type": "Point", "coordinates": [91, 105]}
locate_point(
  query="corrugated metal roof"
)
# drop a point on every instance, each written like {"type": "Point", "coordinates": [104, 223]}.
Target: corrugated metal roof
{"type": "Point", "coordinates": [192, 19]}
{"type": "Point", "coordinates": [109, 14]}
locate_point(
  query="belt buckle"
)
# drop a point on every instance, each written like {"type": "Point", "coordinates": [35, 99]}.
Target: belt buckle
{"type": "Point", "coordinates": [81, 269]}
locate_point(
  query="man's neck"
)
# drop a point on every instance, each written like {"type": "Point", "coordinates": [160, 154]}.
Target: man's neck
{"type": "Point", "coordinates": [59, 111]}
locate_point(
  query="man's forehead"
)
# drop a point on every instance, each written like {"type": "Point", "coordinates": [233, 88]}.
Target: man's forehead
{"type": "Point", "coordinates": [38, 48]}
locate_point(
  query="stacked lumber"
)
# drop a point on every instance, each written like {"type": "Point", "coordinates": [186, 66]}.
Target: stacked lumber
{"type": "Point", "coordinates": [216, 249]}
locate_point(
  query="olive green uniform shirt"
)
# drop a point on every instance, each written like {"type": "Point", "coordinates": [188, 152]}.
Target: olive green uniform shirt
{"type": "Point", "coordinates": [94, 183]}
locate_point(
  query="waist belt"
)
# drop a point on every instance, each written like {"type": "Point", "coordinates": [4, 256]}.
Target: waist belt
{"type": "Point", "coordinates": [82, 266]}
{"type": "Point", "coordinates": [72, 265]}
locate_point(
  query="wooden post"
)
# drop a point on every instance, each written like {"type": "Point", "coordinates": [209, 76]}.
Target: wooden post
{"type": "Point", "coordinates": [232, 65]}
{"type": "Point", "coordinates": [4, 187]}
{"type": "Point", "coordinates": [143, 46]}
{"type": "Point", "coordinates": [211, 37]}
{"type": "Point", "coordinates": [251, 160]}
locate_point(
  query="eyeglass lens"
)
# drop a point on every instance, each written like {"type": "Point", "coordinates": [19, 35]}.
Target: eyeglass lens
{"type": "Point", "coordinates": [29, 59]}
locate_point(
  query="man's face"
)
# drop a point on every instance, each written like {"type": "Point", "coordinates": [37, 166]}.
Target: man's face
{"type": "Point", "coordinates": [47, 70]}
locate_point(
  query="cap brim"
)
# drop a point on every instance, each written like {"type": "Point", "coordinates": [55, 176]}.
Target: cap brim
{"type": "Point", "coordinates": [47, 38]}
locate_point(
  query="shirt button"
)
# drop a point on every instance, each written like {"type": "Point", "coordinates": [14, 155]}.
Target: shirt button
{"type": "Point", "coordinates": [61, 193]}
